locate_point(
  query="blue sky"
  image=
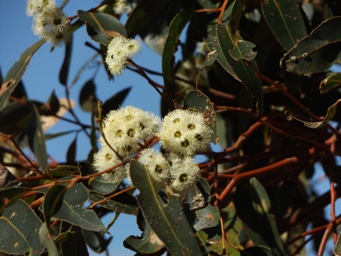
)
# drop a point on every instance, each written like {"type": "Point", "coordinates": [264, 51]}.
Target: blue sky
{"type": "Point", "coordinates": [41, 78]}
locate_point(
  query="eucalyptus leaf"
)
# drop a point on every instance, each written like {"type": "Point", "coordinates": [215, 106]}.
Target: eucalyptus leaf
{"type": "Point", "coordinates": [330, 82]}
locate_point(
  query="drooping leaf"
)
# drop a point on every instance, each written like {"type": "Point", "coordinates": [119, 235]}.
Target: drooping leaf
{"type": "Point", "coordinates": [87, 96]}
{"type": "Point", "coordinates": [13, 242]}
{"type": "Point", "coordinates": [329, 116]}
{"type": "Point", "coordinates": [64, 71]}
{"type": "Point", "coordinates": [115, 101]}
{"type": "Point", "coordinates": [113, 205]}
{"type": "Point", "coordinates": [254, 209]}
{"type": "Point", "coordinates": [198, 101]}
{"type": "Point", "coordinates": [175, 29]}
{"type": "Point", "coordinates": [179, 238]}
{"type": "Point", "coordinates": [71, 151]}
{"type": "Point", "coordinates": [330, 82]}
{"type": "Point", "coordinates": [96, 241]}
{"type": "Point", "coordinates": [72, 210]}
{"type": "Point", "coordinates": [101, 27]}
{"type": "Point", "coordinates": [36, 138]}
{"type": "Point", "coordinates": [47, 240]}
{"type": "Point", "coordinates": [149, 243]}
{"type": "Point", "coordinates": [16, 72]}
{"type": "Point", "coordinates": [236, 14]}
{"type": "Point", "coordinates": [316, 52]}
{"type": "Point", "coordinates": [285, 21]}
{"type": "Point", "coordinates": [23, 218]}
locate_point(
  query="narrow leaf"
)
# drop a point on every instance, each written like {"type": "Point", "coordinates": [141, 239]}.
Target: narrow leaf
{"type": "Point", "coordinates": [47, 240]}
{"type": "Point", "coordinates": [285, 21]}
{"type": "Point", "coordinates": [253, 207]}
{"type": "Point", "coordinates": [179, 238]}
{"type": "Point", "coordinates": [316, 52]}
{"type": "Point", "coordinates": [36, 138]}
{"type": "Point", "coordinates": [115, 101]}
{"type": "Point", "coordinates": [87, 96]}
{"type": "Point", "coordinates": [175, 29]}
{"type": "Point", "coordinates": [101, 27]}
{"type": "Point", "coordinates": [337, 249]}
{"type": "Point", "coordinates": [71, 151]}
{"type": "Point", "coordinates": [314, 125]}
{"type": "Point", "coordinates": [53, 201]}
{"type": "Point", "coordinates": [16, 72]}
{"type": "Point", "coordinates": [330, 82]}
{"type": "Point", "coordinates": [64, 71]}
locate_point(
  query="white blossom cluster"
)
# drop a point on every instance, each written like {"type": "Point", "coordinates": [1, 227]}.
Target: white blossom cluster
{"type": "Point", "coordinates": [124, 6]}
{"type": "Point", "coordinates": [120, 49]}
{"type": "Point", "coordinates": [49, 22]}
{"type": "Point", "coordinates": [183, 134]}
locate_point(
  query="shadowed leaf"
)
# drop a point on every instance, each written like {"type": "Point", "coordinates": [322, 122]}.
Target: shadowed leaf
{"type": "Point", "coordinates": [115, 101]}
{"type": "Point", "coordinates": [285, 21]}
{"type": "Point", "coordinates": [316, 52]}
{"type": "Point", "coordinates": [64, 71]}
{"type": "Point", "coordinates": [87, 96]}
{"type": "Point", "coordinates": [330, 82]}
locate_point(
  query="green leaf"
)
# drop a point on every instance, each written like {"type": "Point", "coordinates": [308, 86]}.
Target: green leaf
{"type": "Point", "coordinates": [254, 209]}
{"type": "Point", "coordinates": [337, 249]}
{"type": "Point", "coordinates": [74, 244]}
{"type": "Point", "coordinates": [71, 151]}
{"type": "Point", "coordinates": [236, 14]}
{"type": "Point", "coordinates": [179, 238]}
{"type": "Point", "coordinates": [64, 170]}
{"type": "Point", "coordinates": [244, 70]}
{"type": "Point", "coordinates": [16, 72]}
{"type": "Point", "coordinates": [87, 96]}
{"type": "Point", "coordinates": [99, 184]}
{"type": "Point", "coordinates": [149, 243]}
{"type": "Point", "coordinates": [314, 125]}
{"type": "Point", "coordinates": [53, 201]}
{"type": "Point", "coordinates": [102, 27]}
{"type": "Point", "coordinates": [9, 195]}
{"type": "Point", "coordinates": [198, 101]}
{"type": "Point", "coordinates": [47, 240]}
{"type": "Point", "coordinates": [13, 242]}
{"type": "Point", "coordinates": [72, 210]}
{"type": "Point", "coordinates": [64, 71]}
{"type": "Point", "coordinates": [285, 20]}
{"type": "Point", "coordinates": [113, 205]}
{"type": "Point", "coordinates": [36, 138]}
{"type": "Point", "coordinates": [53, 103]}
{"type": "Point", "coordinates": [206, 217]}
{"type": "Point", "coordinates": [115, 101]}
{"type": "Point", "coordinates": [23, 218]}
{"type": "Point", "coordinates": [316, 52]}
{"type": "Point", "coordinates": [330, 82]}
{"type": "Point", "coordinates": [175, 29]}
{"type": "Point", "coordinates": [243, 50]}
{"type": "Point", "coordinates": [96, 241]}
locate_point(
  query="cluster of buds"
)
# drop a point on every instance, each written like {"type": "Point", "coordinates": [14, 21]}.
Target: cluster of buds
{"type": "Point", "coordinates": [49, 22]}
{"type": "Point", "coordinates": [182, 134]}
{"type": "Point", "coordinates": [119, 50]}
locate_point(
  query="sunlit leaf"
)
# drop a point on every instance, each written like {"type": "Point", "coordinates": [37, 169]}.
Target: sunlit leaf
{"type": "Point", "coordinates": [253, 208]}
{"type": "Point", "coordinates": [330, 82]}
{"type": "Point", "coordinates": [179, 238]}
{"type": "Point", "coordinates": [149, 243]}
{"type": "Point", "coordinates": [16, 72]}
{"type": "Point", "coordinates": [23, 218]}
{"type": "Point", "coordinates": [285, 21]}
{"type": "Point", "coordinates": [316, 52]}
{"type": "Point", "coordinates": [101, 27]}
{"type": "Point", "coordinates": [329, 116]}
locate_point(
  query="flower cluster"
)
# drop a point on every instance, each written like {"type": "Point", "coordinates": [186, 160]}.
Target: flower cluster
{"type": "Point", "coordinates": [124, 129]}
{"type": "Point", "coordinates": [124, 6]}
{"type": "Point", "coordinates": [183, 133]}
{"type": "Point", "coordinates": [49, 21]}
{"type": "Point", "coordinates": [120, 49]}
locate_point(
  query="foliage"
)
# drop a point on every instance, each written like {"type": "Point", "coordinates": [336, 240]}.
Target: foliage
{"type": "Point", "coordinates": [257, 72]}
